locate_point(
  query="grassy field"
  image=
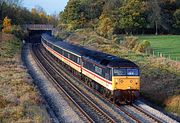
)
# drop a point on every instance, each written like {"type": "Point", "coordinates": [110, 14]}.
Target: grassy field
{"type": "Point", "coordinates": [169, 45]}
{"type": "Point", "coordinates": [20, 101]}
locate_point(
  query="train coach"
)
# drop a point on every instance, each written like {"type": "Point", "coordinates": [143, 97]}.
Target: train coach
{"type": "Point", "coordinates": [114, 77]}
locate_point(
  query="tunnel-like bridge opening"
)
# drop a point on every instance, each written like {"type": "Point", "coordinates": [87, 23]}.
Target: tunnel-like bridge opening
{"type": "Point", "coordinates": [35, 31]}
{"type": "Point", "coordinates": [35, 35]}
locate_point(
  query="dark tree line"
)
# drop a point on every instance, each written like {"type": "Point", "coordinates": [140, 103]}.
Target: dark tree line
{"type": "Point", "coordinates": [20, 15]}
{"type": "Point", "coordinates": [125, 16]}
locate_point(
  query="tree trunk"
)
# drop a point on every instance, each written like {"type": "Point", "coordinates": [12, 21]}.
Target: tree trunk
{"type": "Point", "coordinates": [156, 27]}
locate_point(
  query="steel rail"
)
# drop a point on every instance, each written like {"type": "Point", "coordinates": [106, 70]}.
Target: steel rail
{"type": "Point", "coordinates": [57, 86]}
{"type": "Point", "coordinates": [96, 108]}
{"type": "Point", "coordinates": [124, 111]}
{"type": "Point", "coordinates": [147, 114]}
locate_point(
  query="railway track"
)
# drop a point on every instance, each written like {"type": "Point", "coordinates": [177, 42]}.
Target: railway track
{"type": "Point", "coordinates": [139, 113]}
{"type": "Point", "coordinates": [85, 116]}
{"type": "Point", "coordinates": [135, 118]}
{"type": "Point", "coordinates": [147, 114]}
{"type": "Point", "coordinates": [90, 110]}
{"type": "Point", "coordinates": [143, 112]}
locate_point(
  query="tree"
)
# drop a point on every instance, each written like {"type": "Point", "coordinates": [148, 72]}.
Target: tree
{"type": "Point", "coordinates": [155, 14]}
{"type": "Point", "coordinates": [177, 18]}
{"type": "Point", "coordinates": [131, 15]}
{"type": "Point", "coordinates": [6, 22]}
{"type": "Point", "coordinates": [160, 15]}
{"type": "Point", "coordinates": [105, 27]}
{"type": "Point", "coordinates": [71, 12]}
{"type": "Point", "coordinates": [12, 2]}
{"type": "Point", "coordinates": [6, 25]}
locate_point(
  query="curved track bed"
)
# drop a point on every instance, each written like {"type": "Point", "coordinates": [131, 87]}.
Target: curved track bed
{"type": "Point", "coordinates": [90, 110]}
{"type": "Point", "coordinates": [95, 113]}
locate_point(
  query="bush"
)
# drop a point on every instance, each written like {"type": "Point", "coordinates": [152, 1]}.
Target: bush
{"type": "Point", "coordinates": [7, 30]}
{"type": "Point", "coordinates": [144, 46]}
{"type": "Point", "coordinates": [117, 39]}
{"type": "Point", "coordinates": [18, 32]}
{"type": "Point", "coordinates": [130, 42]}
{"type": "Point", "coordinates": [173, 104]}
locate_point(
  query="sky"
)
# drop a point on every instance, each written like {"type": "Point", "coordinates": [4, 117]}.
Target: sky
{"type": "Point", "coordinates": [50, 6]}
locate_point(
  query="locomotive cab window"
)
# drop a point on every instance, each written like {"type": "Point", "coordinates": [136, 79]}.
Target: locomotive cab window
{"type": "Point", "coordinates": [132, 72]}
{"type": "Point", "coordinates": [126, 72]}
{"type": "Point", "coordinates": [119, 72]}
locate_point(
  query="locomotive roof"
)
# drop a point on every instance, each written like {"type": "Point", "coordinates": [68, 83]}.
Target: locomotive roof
{"type": "Point", "coordinates": [101, 58]}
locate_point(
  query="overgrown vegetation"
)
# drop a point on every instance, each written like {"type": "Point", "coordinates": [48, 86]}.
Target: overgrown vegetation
{"type": "Point", "coordinates": [116, 21]}
{"type": "Point", "coordinates": [12, 21]}
{"type": "Point", "coordinates": [12, 12]}
{"type": "Point", "coordinates": [159, 76]}
{"type": "Point", "coordinates": [13, 29]}
{"type": "Point", "coordinates": [19, 99]}
{"type": "Point", "coordinates": [122, 17]}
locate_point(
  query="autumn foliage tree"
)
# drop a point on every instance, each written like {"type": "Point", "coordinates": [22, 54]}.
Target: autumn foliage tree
{"type": "Point", "coordinates": [20, 15]}
{"type": "Point", "coordinates": [127, 16]}
{"type": "Point", "coordinates": [105, 27]}
{"type": "Point", "coordinates": [6, 25]}
{"type": "Point", "coordinates": [131, 15]}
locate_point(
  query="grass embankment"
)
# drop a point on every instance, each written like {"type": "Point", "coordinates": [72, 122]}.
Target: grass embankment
{"type": "Point", "coordinates": [160, 78]}
{"type": "Point", "coordinates": [168, 45]}
{"type": "Point", "coordinates": [19, 99]}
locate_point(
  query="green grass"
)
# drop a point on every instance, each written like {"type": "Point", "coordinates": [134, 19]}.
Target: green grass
{"type": "Point", "coordinates": [168, 45]}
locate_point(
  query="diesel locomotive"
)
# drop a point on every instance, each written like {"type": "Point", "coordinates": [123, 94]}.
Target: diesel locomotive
{"type": "Point", "coordinates": [114, 77]}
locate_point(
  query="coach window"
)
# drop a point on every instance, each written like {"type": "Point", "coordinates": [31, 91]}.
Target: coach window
{"type": "Point", "coordinates": [73, 58]}
{"type": "Point", "coordinates": [50, 45]}
{"type": "Point", "coordinates": [98, 70]}
{"type": "Point", "coordinates": [107, 76]}
{"type": "Point", "coordinates": [78, 60]}
{"type": "Point", "coordinates": [108, 73]}
{"type": "Point", "coordinates": [66, 54]}
{"type": "Point", "coordinates": [55, 48]}
{"type": "Point", "coordinates": [61, 51]}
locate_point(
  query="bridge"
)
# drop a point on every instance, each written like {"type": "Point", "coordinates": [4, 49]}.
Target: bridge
{"type": "Point", "coordinates": [35, 31]}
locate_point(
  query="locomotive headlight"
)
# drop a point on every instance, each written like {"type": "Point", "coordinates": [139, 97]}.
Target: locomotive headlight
{"type": "Point", "coordinates": [129, 87]}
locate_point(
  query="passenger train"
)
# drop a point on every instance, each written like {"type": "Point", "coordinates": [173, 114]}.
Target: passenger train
{"type": "Point", "coordinates": [114, 77]}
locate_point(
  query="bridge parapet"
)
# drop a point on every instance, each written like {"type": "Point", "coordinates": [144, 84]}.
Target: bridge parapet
{"type": "Point", "coordinates": [38, 27]}
{"type": "Point", "coordinates": [35, 31]}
